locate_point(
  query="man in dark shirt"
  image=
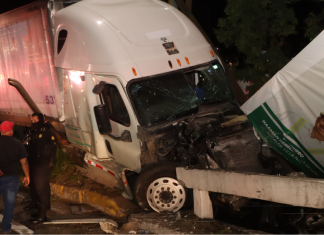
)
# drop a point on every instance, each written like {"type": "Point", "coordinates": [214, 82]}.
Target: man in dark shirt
{"type": "Point", "coordinates": [12, 154]}
{"type": "Point", "coordinates": [42, 152]}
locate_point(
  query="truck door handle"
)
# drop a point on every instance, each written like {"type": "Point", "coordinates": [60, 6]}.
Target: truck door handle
{"type": "Point", "coordinates": [125, 136]}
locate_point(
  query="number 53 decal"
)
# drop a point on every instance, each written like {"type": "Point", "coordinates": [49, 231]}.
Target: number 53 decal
{"type": "Point", "coordinates": [49, 99]}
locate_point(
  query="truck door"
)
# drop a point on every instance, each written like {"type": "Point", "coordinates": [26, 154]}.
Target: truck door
{"type": "Point", "coordinates": [122, 143]}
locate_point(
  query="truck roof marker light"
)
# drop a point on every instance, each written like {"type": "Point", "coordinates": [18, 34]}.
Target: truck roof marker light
{"type": "Point", "coordinates": [170, 64]}
{"type": "Point", "coordinates": [179, 62]}
{"type": "Point", "coordinates": [186, 58]}
{"type": "Point", "coordinates": [212, 53]}
{"type": "Point", "coordinates": [134, 71]}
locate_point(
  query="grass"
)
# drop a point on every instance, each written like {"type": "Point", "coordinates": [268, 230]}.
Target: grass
{"type": "Point", "coordinates": [54, 199]}
{"type": "Point", "coordinates": [65, 173]}
{"type": "Point", "coordinates": [64, 170]}
{"type": "Point", "coordinates": [62, 164]}
{"type": "Point", "coordinates": [179, 222]}
{"type": "Point", "coordinates": [78, 178]}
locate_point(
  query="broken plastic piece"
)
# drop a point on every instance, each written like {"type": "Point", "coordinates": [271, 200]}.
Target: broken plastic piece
{"type": "Point", "coordinates": [109, 226]}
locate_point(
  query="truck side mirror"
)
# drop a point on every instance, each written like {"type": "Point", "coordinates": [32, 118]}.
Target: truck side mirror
{"type": "Point", "coordinates": [102, 118]}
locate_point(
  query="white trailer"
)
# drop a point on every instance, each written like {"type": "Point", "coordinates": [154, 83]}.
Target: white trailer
{"type": "Point", "coordinates": [27, 56]}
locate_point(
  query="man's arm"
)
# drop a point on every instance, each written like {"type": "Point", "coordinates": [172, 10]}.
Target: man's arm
{"type": "Point", "coordinates": [25, 167]}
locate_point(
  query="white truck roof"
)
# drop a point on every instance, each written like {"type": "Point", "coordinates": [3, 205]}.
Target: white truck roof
{"type": "Point", "coordinates": [114, 36]}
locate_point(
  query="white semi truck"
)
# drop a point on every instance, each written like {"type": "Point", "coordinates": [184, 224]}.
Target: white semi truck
{"type": "Point", "coordinates": [136, 87]}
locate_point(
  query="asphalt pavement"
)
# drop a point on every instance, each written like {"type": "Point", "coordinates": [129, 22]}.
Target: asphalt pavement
{"type": "Point", "coordinates": [84, 219]}
{"type": "Point", "coordinates": [60, 211]}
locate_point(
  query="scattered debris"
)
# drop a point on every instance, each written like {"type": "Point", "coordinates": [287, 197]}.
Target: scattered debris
{"type": "Point", "coordinates": [235, 121]}
{"type": "Point", "coordinates": [109, 226]}
{"type": "Point", "coordinates": [297, 174]}
{"type": "Point", "coordinates": [189, 224]}
{"type": "Point", "coordinates": [75, 210]}
{"type": "Point", "coordinates": [309, 220]}
{"type": "Point", "coordinates": [317, 221]}
{"type": "Point", "coordinates": [19, 228]}
{"type": "Point", "coordinates": [76, 221]}
{"type": "Point", "coordinates": [178, 217]}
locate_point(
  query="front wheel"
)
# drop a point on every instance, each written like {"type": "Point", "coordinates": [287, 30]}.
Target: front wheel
{"type": "Point", "coordinates": [158, 189]}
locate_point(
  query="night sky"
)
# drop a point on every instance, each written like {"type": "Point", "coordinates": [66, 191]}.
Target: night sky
{"type": "Point", "coordinates": [8, 5]}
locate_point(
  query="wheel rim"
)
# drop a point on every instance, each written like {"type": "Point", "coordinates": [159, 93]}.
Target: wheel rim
{"type": "Point", "coordinates": [166, 194]}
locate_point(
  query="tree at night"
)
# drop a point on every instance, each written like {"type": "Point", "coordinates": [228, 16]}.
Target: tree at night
{"type": "Point", "coordinates": [315, 21]}
{"type": "Point", "coordinates": [258, 30]}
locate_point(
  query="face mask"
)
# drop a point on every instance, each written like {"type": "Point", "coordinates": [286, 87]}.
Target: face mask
{"type": "Point", "coordinates": [36, 125]}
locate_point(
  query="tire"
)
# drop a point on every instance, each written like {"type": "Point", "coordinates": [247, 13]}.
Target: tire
{"type": "Point", "coordinates": [163, 175]}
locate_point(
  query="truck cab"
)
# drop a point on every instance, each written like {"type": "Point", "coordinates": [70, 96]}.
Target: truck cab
{"type": "Point", "coordinates": [140, 80]}
{"type": "Point", "coordinates": [138, 90]}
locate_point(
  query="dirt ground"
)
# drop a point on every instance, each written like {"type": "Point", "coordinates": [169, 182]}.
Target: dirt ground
{"type": "Point", "coordinates": [65, 173]}
{"type": "Point", "coordinates": [72, 178]}
{"type": "Point", "coordinates": [182, 222]}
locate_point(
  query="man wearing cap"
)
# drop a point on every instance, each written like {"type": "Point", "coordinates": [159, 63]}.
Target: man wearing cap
{"type": "Point", "coordinates": [42, 152]}
{"type": "Point", "coordinates": [12, 154]}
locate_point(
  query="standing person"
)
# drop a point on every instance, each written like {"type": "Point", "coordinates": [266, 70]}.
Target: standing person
{"type": "Point", "coordinates": [42, 152]}
{"type": "Point", "coordinates": [12, 151]}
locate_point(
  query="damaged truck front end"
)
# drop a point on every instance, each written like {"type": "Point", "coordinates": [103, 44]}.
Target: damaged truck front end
{"type": "Point", "coordinates": [190, 118]}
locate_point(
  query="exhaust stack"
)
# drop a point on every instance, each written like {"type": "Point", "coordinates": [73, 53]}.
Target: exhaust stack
{"type": "Point", "coordinates": [24, 94]}
{"type": "Point", "coordinates": [35, 109]}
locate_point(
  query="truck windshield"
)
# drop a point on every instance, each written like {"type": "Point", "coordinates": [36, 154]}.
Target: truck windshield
{"type": "Point", "coordinates": [175, 95]}
{"type": "Point", "coordinates": [163, 98]}
{"type": "Point", "coordinates": [210, 83]}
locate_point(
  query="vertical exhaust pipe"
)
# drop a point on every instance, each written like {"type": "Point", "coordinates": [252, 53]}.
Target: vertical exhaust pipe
{"type": "Point", "coordinates": [24, 94]}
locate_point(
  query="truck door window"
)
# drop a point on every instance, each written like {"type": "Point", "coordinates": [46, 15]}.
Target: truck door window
{"type": "Point", "coordinates": [61, 40]}
{"type": "Point", "coordinates": [116, 107]}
